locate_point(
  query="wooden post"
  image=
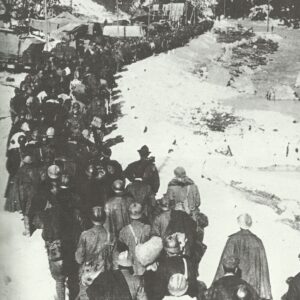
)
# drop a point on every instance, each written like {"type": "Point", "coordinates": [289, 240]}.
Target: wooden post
{"type": "Point", "coordinates": [47, 25]}
{"type": "Point", "coordinates": [268, 17]}
{"type": "Point", "coordinates": [117, 2]}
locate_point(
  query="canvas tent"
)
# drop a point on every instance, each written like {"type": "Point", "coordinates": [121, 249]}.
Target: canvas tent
{"type": "Point", "coordinates": [54, 23]}
{"type": "Point", "coordinates": [123, 31]}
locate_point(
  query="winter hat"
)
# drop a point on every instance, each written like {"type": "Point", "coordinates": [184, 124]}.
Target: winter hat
{"type": "Point", "coordinates": [244, 221]}
{"type": "Point", "coordinates": [135, 211]}
{"type": "Point", "coordinates": [231, 262]}
{"type": "Point", "coordinates": [178, 285]}
{"type": "Point", "coordinates": [180, 172]}
{"type": "Point", "coordinates": [54, 172]}
{"type": "Point", "coordinates": [172, 245]}
{"type": "Point", "coordinates": [144, 151]}
{"type": "Point", "coordinates": [123, 260]}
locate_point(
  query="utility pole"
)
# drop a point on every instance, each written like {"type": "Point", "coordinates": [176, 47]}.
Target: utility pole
{"type": "Point", "coordinates": [71, 5]}
{"type": "Point", "coordinates": [268, 17]}
{"type": "Point", "coordinates": [47, 25]}
{"type": "Point", "coordinates": [224, 8]}
{"type": "Point", "coordinates": [117, 6]}
{"type": "Point", "coordinates": [149, 15]}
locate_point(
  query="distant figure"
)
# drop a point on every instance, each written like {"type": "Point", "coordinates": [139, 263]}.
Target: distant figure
{"type": "Point", "coordinates": [293, 292]}
{"type": "Point", "coordinates": [231, 286]}
{"type": "Point", "coordinates": [253, 260]}
{"type": "Point", "coordinates": [144, 168]}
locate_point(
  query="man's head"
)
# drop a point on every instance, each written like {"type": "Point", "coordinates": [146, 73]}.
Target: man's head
{"type": "Point", "coordinates": [180, 172]}
{"type": "Point", "coordinates": [135, 211]}
{"type": "Point", "coordinates": [172, 245]}
{"type": "Point", "coordinates": [144, 152]}
{"type": "Point", "coordinates": [244, 221]}
{"type": "Point", "coordinates": [98, 215]}
{"type": "Point", "coordinates": [230, 264]}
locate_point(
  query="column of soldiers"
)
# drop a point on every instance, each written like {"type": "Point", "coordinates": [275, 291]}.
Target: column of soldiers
{"type": "Point", "coordinates": [106, 239]}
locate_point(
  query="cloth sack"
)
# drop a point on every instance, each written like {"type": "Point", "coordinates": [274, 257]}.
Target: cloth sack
{"type": "Point", "coordinates": [147, 253]}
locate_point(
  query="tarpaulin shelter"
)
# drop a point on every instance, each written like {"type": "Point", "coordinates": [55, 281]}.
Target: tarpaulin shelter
{"type": "Point", "coordinates": [140, 15]}
{"type": "Point", "coordinates": [66, 30]}
{"type": "Point", "coordinates": [174, 11]}
{"type": "Point", "coordinates": [54, 23]}
{"type": "Point", "coordinates": [13, 45]}
{"type": "Point", "coordinates": [123, 31]}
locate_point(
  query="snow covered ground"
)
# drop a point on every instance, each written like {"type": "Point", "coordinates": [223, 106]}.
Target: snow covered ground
{"type": "Point", "coordinates": [166, 94]}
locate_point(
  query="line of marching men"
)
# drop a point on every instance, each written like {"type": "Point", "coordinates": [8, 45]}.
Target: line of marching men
{"type": "Point", "coordinates": [106, 240]}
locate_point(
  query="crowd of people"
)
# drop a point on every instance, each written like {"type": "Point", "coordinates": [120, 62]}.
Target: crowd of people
{"type": "Point", "coordinates": [106, 233]}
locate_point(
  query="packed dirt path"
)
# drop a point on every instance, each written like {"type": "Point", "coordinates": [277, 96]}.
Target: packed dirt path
{"type": "Point", "coordinates": [165, 94]}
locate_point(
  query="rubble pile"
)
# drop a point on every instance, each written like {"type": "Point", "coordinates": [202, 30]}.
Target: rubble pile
{"type": "Point", "coordinates": [213, 120]}
{"type": "Point", "coordinates": [233, 34]}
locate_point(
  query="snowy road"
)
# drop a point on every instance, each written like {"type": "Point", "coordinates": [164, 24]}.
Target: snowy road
{"type": "Point", "coordinates": [161, 93]}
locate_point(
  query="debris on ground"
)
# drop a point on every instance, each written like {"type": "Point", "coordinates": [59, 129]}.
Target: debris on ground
{"type": "Point", "coordinates": [213, 120]}
{"type": "Point", "coordinates": [232, 34]}
{"type": "Point", "coordinates": [243, 51]}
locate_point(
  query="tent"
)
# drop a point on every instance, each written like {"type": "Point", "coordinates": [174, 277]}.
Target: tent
{"type": "Point", "coordinates": [54, 23]}
{"type": "Point", "coordinates": [68, 29]}
{"type": "Point", "coordinates": [123, 31]}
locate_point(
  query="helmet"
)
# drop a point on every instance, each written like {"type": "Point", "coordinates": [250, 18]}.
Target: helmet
{"type": "Point", "coordinates": [76, 105]}
{"type": "Point", "coordinates": [22, 140]}
{"type": "Point", "coordinates": [54, 172]}
{"type": "Point", "coordinates": [106, 152]}
{"type": "Point", "coordinates": [25, 127]}
{"type": "Point", "coordinates": [90, 170]}
{"type": "Point", "coordinates": [98, 214]}
{"type": "Point", "coordinates": [14, 141]}
{"type": "Point", "coordinates": [135, 210]}
{"type": "Point", "coordinates": [118, 186]}
{"type": "Point", "coordinates": [178, 285]}
{"type": "Point", "coordinates": [65, 181]}
{"type": "Point", "coordinates": [27, 159]}
{"type": "Point", "coordinates": [50, 132]}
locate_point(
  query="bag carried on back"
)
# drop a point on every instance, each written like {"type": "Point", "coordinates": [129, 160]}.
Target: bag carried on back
{"type": "Point", "coordinates": [148, 252]}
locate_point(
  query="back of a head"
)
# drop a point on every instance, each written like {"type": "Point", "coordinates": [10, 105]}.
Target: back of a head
{"type": "Point", "coordinates": [180, 172]}
{"type": "Point", "coordinates": [230, 264]}
{"type": "Point", "coordinates": [98, 215]}
{"type": "Point", "coordinates": [244, 221]}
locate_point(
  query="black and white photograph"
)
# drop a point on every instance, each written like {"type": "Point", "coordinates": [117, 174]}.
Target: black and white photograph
{"type": "Point", "coordinates": [150, 149]}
